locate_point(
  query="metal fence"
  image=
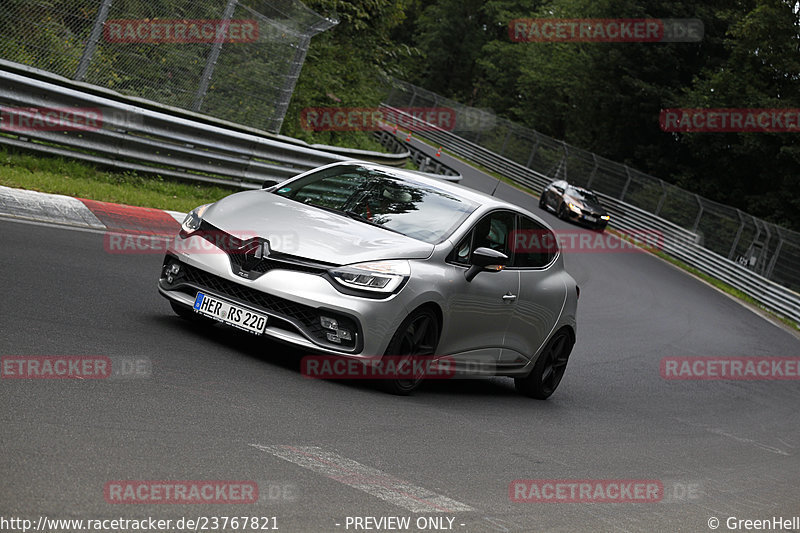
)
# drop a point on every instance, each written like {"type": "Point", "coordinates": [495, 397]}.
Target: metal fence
{"type": "Point", "coordinates": [630, 220]}
{"type": "Point", "coordinates": [154, 139]}
{"type": "Point", "coordinates": [238, 60]}
{"type": "Point", "coordinates": [395, 143]}
{"type": "Point", "coordinates": [764, 248]}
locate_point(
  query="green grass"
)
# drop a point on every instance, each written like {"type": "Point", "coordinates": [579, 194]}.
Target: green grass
{"type": "Point", "coordinates": [73, 178]}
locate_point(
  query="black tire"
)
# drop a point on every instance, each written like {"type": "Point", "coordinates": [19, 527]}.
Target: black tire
{"type": "Point", "coordinates": [562, 213]}
{"type": "Point", "coordinates": [186, 313]}
{"type": "Point", "coordinates": [542, 205]}
{"type": "Point", "coordinates": [549, 368]}
{"type": "Point", "coordinates": [418, 335]}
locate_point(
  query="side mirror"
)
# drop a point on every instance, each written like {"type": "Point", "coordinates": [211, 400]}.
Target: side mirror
{"type": "Point", "coordinates": [485, 260]}
{"type": "Point", "coordinates": [268, 184]}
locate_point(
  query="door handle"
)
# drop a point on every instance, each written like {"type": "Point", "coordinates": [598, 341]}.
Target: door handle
{"type": "Point", "coordinates": [508, 297]}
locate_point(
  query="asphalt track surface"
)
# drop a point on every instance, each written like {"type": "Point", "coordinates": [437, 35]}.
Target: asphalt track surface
{"type": "Point", "coordinates": [219, 404]}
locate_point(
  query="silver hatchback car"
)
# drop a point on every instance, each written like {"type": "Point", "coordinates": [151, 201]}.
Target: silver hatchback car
{"type": "Point", "coordinates": [361, 261]}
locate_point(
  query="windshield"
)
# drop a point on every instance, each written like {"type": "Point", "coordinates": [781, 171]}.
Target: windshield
{"type": "Point", "coordinates": [583, 195]}
{"type": "Point", "coordinates": [404, 206]}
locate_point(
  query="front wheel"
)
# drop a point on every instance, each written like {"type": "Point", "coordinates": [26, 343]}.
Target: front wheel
{"type": "Point", "coordinates": [542, 204]}
{"type": "Point", "coordinates": [549, 368]}
{"type": "Point", "coordinates": [416, 338]}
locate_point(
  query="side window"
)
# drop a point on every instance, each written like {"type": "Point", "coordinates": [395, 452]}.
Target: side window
{"type": "Point", "coordinates": [463, 250]}
{"type": "Point", "coordinates": [494, 231]}
{"type": "Point", "coordinates": [534, 245]}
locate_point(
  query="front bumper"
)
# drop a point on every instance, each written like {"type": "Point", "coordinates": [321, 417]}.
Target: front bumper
{"type": "Point", "coordinates": [293, 301]}
{"type": "Point", "coordinates": [581, 218]}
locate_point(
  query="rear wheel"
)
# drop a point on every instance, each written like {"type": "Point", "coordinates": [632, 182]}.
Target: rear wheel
{"type": "Point", "coordinates": [416, 338]}
{"type": "Point", "coordinates": [549, 368]}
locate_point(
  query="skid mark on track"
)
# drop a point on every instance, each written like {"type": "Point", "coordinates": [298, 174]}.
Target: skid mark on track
{"type": "Point", "coordinates": [744, 440]}
{"type": "Point", "coordinates": [367, 479]}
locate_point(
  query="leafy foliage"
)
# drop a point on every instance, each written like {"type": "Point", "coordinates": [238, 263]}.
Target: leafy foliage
{"type": "Point", "coordinates": [603, 97]}
{"type": "Point", "coordinates": [606, 97]}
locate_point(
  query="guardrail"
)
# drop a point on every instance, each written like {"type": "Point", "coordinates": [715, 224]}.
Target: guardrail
{"type": "Point", "coordinates": [396, 159]}
{"type": "Point", "coordinates": [677, 241]}
{"type": "Point", "coordinates": [391, 141]}
{"type": "Point", "coordinates": [130, 136]}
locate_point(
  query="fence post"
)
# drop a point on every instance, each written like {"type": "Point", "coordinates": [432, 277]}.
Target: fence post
{"type": "Point", "coordinates": [758, 232]}
{"type": "Point", "coordinates": [291, 80]}
{"type": "Point", "coordinates": [627, 183]}
{"type": "Point", "coordinates": [553, 172]}
{"type": "Point", "coordinates": [770, 267]}
{"type": "Point", "coordinates": [213, 55]}
{"type": "Point", "coordinates": [505, 140]}
{"type": "Point", "coordinates": [699, 214]}
{"type": "Point", "coordinates": [594, 171]}
{"type": "Point", "coordinates": [533, 151]}
{"type": "Point", "coordinates": [738, 235]}
{"type": "Point", "coordinates": [762, 265]}
{"type": "Point", "coordinates": [775, 255]}
{"type": "Point", "coordinates": [662, 199]}
{"type": "Point", "coordinates": [91, 44]}
{"type": "Point", "coordinates": [413, 97]}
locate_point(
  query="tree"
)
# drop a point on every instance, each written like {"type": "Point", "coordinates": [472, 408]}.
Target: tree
{"type": "Point", "coordinates": [758, 172]}
{"type": "Point", "coordinates": [346, 65]}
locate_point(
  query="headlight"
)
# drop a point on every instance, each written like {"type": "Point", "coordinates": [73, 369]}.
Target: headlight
{"type": "Point", "coordinates": [192, 221]}
{"type": "Point", "coordinates": [605, 217]}
{"type": "Point", "coordinates": [377, 276]}
{"type": "Point", "coordinates": [574, 207]}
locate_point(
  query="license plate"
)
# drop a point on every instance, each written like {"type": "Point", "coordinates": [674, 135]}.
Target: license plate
{"type": "Point", "coordinates": [230, 313]}
{"type": "Point", "coordinates": [591, 219]}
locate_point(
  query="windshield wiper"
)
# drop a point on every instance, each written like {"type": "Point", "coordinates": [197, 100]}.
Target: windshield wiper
{"type": "Point", "coordinates": [362, 218]}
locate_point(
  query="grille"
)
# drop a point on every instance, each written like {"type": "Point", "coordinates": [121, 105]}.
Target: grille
{"type": "Point", "coordinates": [246, 255]}
{"type": "Point", "coordinates": [306, 316]}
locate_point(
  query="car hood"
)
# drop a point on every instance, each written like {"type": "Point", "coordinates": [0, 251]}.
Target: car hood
{"type": "Point", "coordinates": [590, 206]}
{"type": "Point", "coordinates": [595, 207]}
{"type": "Point", "coordinates": [309, 232]}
